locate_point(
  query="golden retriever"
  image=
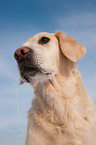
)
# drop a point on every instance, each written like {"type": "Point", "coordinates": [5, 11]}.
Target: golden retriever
{"type": "Point", "coordinates": [62, 112]}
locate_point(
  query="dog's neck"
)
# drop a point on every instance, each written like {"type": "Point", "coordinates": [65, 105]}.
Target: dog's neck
{"type": "Point", "coordinates": [61, 100]}
{"type": "Point", "coordinates": [57, 94]}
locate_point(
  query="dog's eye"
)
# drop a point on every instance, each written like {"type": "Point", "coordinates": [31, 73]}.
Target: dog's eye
{"type": "Point", "coordinates": [44, 40]}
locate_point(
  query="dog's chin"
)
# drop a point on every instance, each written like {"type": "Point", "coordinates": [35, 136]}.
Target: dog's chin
{"type": "Point", "coordinates": [33, 75]}
{"type": "Point", "coordinates": [28, 75]}
{"type": "Point", "coordinates": [33, 78]}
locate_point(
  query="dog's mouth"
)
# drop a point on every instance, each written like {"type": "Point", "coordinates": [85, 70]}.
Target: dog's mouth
{"type": "Point", "coordinates": [28, 71]}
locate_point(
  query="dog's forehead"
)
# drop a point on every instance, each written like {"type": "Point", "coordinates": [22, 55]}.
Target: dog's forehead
{"type": "Point", "coordinates": [40, 35]}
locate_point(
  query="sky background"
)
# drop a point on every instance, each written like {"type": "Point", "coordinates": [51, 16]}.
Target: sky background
{"type": "Point", "coordinates": [19, 20]}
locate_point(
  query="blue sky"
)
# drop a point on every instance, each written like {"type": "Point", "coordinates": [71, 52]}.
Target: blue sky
{"type": "Point", "coordinates": [19, 20]}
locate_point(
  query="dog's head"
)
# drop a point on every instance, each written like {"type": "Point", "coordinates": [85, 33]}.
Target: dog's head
{"type": "Point", "coordinates": [45, 54]}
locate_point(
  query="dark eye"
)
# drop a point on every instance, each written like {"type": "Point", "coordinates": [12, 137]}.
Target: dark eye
{"type": "Point", "coordinates": [44, 40]}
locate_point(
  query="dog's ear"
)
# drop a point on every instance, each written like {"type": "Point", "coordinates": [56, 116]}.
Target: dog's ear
{"type": "Point", "coordinates": [21, 82]}
{"type": "Point", "coordinates": [72, 49]}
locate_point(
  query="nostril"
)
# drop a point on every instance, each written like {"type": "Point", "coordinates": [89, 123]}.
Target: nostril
{"type": "Point", "coordinates": [24, 51]}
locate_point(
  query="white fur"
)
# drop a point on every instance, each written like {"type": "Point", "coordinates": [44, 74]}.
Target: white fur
{"type": "Point", "coordinates": [62, 112]}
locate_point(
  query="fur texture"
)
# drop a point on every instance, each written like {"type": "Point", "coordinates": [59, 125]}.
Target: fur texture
{"type": "Point", "coordinates": [62, 112]}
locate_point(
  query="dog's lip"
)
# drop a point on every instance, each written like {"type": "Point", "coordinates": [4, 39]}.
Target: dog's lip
{"type": "Point", "coordinates": [26, 74]}
{"type": "Point", "coordinates": [28, 69]}
{"type": "Point", "coordinates": [26, 78]}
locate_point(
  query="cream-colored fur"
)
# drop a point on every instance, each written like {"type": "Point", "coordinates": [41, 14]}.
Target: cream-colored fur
{"type": "Point", "coordinates": [62, 112]}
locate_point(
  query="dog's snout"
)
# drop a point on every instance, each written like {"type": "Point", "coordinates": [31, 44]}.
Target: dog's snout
{"type": "Point", "coordinates": [21, 53]}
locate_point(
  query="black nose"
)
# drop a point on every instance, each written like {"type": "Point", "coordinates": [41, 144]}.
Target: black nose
{"type": "Point", "coordinates": [21, 53]}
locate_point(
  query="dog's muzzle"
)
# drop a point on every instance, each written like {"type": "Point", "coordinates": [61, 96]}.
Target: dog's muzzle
{"type": "Point", "coordinates": [27, 63]}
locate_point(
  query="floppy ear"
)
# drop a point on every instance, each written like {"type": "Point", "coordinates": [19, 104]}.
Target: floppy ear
{"type": "Point", "coordinates": [72, 49]}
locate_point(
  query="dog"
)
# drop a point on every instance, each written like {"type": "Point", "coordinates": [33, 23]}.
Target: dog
{"type": "Point", "coordinates": [62, 112]}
